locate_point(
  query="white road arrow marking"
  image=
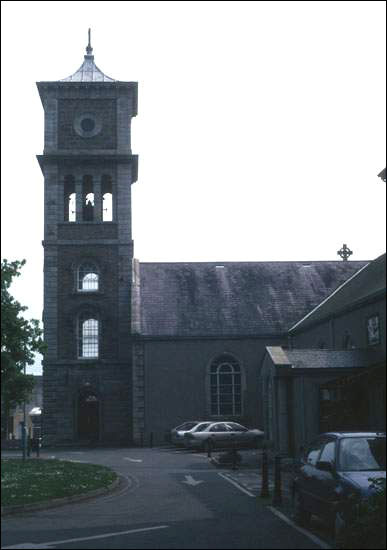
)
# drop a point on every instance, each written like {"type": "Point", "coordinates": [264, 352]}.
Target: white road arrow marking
{"type": "Point", "coordinates": [189, 480]}
{"type": "Point", "coordinates": [132, 459]}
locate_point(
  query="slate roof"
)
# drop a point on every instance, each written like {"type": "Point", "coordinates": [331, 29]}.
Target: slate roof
{"type": "Point", "coordinates": [364, 285]}
{"type": "Point", "coordinates": [324, 359]}
{"type": "Point", "coordinates": [88, 72]}
{"type": "Point", "coordinates": [237, 299]}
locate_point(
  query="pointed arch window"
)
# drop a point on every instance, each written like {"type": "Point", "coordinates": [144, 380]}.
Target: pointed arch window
{"type": "Point", "coordinates": [88, 336]}
{"type": "Point", "coordinates": [88, 278]}
{"type": "Point", "coordinates": [226, 386]}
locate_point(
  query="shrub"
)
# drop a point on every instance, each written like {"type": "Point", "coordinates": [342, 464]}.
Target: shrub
{"type": "Point", "coordinates": [366, 521]}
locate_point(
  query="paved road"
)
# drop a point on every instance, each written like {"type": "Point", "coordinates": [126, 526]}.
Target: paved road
{"type": "Point", "coordinates": [169, 499]}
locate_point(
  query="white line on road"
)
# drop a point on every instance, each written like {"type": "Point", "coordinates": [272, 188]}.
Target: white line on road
{"type": "Point", "coordinates": [132, 459]}
{"type": "Point", "coordinates": [310, 536]}
{"type": "Point", "coordinates": [95, 537]}
{"type": "Point", "coordinates": [237, 485]}
{"type": "Point", "coordinates": [26, 545]}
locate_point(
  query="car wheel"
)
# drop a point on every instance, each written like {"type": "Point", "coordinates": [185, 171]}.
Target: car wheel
{"type": "Point", "coordinates": [301, 515]}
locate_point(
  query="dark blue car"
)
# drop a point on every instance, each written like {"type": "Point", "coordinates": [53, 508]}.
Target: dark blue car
{"type": "Point", "coordinates": [335, 467]}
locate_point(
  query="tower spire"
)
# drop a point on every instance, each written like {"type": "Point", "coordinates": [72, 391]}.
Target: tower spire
{"type": "Point", "coordinates": [89, 49]}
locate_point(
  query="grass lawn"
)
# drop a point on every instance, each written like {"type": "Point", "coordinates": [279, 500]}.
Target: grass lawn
{"type": "Point", "coordinates": [36, 480]}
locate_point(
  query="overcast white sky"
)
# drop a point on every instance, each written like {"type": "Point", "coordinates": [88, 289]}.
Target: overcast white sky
{"type": "Point", "coordinates": [261, 125]}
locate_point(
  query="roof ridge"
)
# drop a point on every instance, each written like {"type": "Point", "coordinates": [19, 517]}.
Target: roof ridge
{"type": "Point", "coordinates": [338, 289]}
{"type": "Point", "coordinates": [349, 262]}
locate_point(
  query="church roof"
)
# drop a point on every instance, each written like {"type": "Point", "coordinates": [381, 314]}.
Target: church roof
{"type": "Point", "coordinates": [88, 71]}
{"type": "Point", "coordinates": [234, 298]}
{"type": "Point", "coordinates": [364, 285]}
{"type": "Point", "coordinates": [324, 359]}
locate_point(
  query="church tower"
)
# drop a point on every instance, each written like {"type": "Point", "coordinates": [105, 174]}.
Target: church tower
{"type": "Point", "coordinates": [88, 170]}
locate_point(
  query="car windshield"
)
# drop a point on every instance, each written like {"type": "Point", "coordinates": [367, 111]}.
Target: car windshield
{"type": "Point", "coordinates": [186, 426]}
{"type": "Point", "coordinates": [202, 427]}
{"type": "Point", "coordinates": [362, 454]}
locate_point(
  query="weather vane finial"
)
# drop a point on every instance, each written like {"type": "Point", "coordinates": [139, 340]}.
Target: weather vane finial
{"type": "Point", "coordinates": [89, 49]}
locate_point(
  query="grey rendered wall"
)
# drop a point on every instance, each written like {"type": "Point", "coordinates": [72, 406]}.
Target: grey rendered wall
{"type": "Point", "coordinates": [177, 386]}
{"type": "Point", "coordinates": [333, 332]}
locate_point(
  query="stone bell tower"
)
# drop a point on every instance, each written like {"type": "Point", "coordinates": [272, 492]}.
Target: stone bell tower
{"type": "Point", "coordinates": [88, 169]}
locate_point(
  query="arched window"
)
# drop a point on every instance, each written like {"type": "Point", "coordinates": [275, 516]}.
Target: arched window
{"type": "Point", "coordinates": [69, 199]}
{"type": "Point", "coordinates": [107, 198]}
{"type": "Point", "coordinates": [88, 199]}
{"type": "Point", "coordinates": [225, 386]}
{"type": "Point", "coordinates": [348, 342]}
{"type": "Point", "coordinates": [88, 336]}
{"type": "Point", "coordinates": [88, 278]}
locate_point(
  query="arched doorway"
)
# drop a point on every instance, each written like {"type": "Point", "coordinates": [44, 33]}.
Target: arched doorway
{"type": "Point", "coordinates": [88, 415]}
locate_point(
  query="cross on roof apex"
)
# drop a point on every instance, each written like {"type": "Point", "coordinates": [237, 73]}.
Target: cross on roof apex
{"type": "Point", "coordinates": [344, 252]}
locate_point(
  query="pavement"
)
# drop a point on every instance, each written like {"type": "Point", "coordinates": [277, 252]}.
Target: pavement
{"type": "Point", "coordinates": [248, 475]}
{"type": "Point", "coordinates": [171, 499]}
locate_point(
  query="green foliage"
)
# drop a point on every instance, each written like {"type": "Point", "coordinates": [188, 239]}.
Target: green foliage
{"type": "Point", "coordinates": [366, 524]}
{"type": "Point", "coordinates": [20, 339]}
{"type": "Point", "coordinates": [37, 480]}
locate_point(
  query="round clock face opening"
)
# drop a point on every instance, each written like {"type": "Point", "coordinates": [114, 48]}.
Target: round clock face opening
{"type": "Point", "coordinates": [87, 124]}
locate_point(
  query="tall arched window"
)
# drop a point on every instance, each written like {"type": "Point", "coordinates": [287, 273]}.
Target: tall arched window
{"type": "Point", "coordinates": [107, 198]}
{"type": "Point", "coordinates": [88, 278]}
{"type": "Point", "coordinates": [69, 199]}
{"type": "Point", "coordinates": [88, 199]}
{"type": "Point", "coordinates": [88, 336]}
{"type": "Point", "coordinates": [226, 386]}
{"type": "Point", "coordinates": [348, 342]}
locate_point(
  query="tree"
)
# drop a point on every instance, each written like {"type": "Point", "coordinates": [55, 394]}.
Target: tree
{"type": "Point", "coordinates": [20, 339]}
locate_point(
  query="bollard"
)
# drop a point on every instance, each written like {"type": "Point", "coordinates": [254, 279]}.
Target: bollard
{"type": "Point", "coordinates": [151, 440]}
{"type": "Point", "coordinates": [209, 448]}
{"type": "Point", "coordinates": [265, 475]}
{"type": "Point", "coordinates": [234, 456]}
{"type": "Point", "coordinates": [277, 497]}
{"type": "Point", "coordinates": [38, 445]}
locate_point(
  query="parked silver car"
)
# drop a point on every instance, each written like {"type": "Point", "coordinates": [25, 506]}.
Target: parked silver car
{"type": "Point", "coordinates": [177, 434]}
{"type": "Point", "coordinates": [220, 435]}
